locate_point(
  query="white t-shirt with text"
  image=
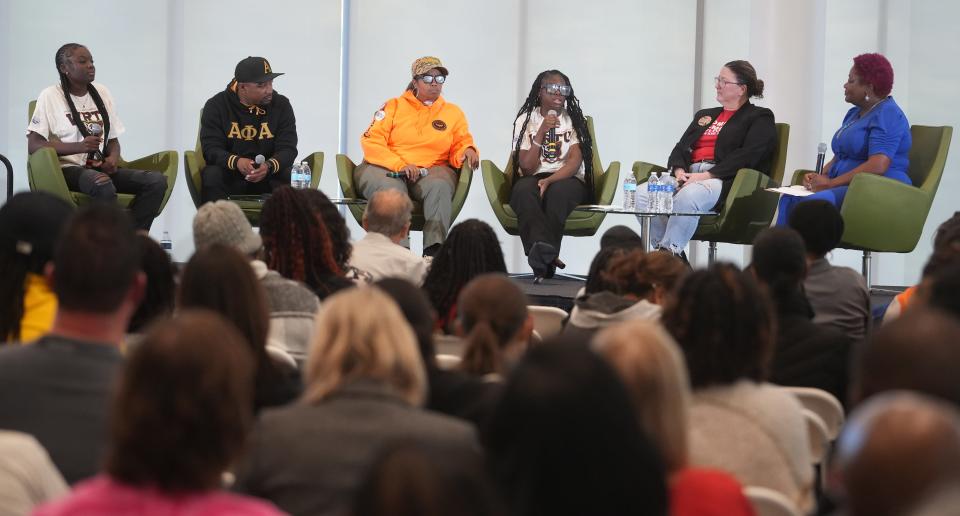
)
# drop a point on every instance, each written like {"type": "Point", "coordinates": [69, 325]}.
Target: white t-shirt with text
{"type": "Point", "coordinates": [553, 153]}
{"type": "Point", "coordinates": [53, 120]}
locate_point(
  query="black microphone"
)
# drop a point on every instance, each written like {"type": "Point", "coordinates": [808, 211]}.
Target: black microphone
{"type": "Point", "coordinates": [95, 155]}
{"type": "Point", "coordinates": [552, 133]}
{"type": "Point", "coordinates": [821, 154]}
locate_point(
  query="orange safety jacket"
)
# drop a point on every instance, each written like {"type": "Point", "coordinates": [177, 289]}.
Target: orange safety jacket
{"type": "Point", "coordinates": [405, 131]}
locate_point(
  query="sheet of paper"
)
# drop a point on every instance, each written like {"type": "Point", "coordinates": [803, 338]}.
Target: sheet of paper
{"type": "Point", "coordinates": [794, 190]}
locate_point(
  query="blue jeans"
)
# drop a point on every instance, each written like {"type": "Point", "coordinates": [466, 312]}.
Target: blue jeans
{"type": "Point", "coordinates": [674, 233]}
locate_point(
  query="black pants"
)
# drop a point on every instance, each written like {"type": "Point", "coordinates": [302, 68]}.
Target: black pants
{"type": "Point", "coordinates": [148, 188]}
{"type": "Point", "coordinates": [542, 220]}
{"type": "Point", "coordinates": [218, 182]}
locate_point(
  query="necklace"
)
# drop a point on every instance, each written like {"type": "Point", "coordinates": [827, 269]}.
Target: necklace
{"type": "Point", "coordinates": [858, 117]}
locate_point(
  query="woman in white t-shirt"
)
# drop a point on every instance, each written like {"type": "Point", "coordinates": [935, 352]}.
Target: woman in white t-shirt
{"type": "Point", "coordinates": [90, 165]}
{"type": "Point", "coordinates": [553, 167]}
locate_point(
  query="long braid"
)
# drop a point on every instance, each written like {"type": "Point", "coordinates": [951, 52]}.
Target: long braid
{"type": "Point", "coordinates": [471, 249]}
{"type": "Point", "coordinates": [579, 126]}
{"type": "Point", "coordinates": [61, 59]}
{"type": "Point", "coordinates": [12, 292]}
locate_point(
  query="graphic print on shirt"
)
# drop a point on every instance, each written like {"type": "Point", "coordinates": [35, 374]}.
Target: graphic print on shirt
{"type": "Point", "coordinates": [88, 117]}
{"type": "Point", "coordinates": [715, 127]}
{"type": "Point", "coordinates": [552, 148]}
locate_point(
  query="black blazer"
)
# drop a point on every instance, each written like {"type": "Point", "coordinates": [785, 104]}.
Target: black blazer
{"type": "Point", "coordinates": [747, 140]}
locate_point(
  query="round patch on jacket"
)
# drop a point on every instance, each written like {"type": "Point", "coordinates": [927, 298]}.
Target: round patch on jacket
{"type": "Point", "coordinates": [379, 115]}
{"type": "Point", "coordinates": [704, 120]}
{"type": "Point", "coordinates": [439, 125]}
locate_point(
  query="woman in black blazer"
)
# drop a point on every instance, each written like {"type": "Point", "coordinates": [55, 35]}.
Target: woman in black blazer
{"type": "Point", "coordinates": [719, 142]}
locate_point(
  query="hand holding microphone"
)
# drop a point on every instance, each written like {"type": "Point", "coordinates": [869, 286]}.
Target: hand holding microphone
{"type": "Point", "coordinates": [259, 170]}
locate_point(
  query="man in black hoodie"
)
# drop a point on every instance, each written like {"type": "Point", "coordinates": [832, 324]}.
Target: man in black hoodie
{"type": "Point", "coordinates": [246, 120]}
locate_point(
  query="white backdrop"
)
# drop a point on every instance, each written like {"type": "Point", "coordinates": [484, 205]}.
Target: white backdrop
{"type": "Point", "coordinates": [633, 63]}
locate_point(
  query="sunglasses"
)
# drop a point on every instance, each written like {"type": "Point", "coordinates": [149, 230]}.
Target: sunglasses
{"type": "Point", "coordinates": [430, 79]}
{"type": "Point", "coordinates": [558, 89]}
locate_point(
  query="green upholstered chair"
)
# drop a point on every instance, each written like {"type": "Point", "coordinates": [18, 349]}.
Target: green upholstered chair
{"type": "Point", "coordinates": [346, 166]}
{"type": "Point", "coordinates": [44, 173]}
{"type": "Point", "coordinates": [888, 216]}
{"type": "Point", "coordinates": [499, 185]}
{"type": "Point", "coordinates": [193, 163]}
{"type": "Point", "coordinates": [748, 208]}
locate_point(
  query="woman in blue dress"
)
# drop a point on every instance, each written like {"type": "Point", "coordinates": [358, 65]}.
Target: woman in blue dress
{"type": "Point", "coordinates": [873, 139]}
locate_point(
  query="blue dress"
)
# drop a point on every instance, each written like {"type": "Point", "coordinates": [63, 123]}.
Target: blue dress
{"type": "Point", "coordinates": [883, 130]}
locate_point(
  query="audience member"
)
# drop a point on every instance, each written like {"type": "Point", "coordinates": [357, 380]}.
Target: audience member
{"type": "Point", "coordinates": [450, 392]}
{"type": "Point", "coordinates": [635, 285]}
{"type": "Point", "coordinates": [218, 278]}
{"type": "Point", "coordinates": [564, 439]}
{"type": "Point", "coordinates": [806, 354]}
{"type": "Point", "coordinates": [180, 418]}
{"type": "Point", "coordinates": [292, 305]}
{"type": "Point", "coordinates": [407, 480]}
{"type": "Point", "coordinates": [27, 475]}
{"type": "Point", "coordinates": [942, 291]}
{"type": "Point", "coordinates": [724, 323]}
{"type": "Point", "coordinates": [620, 236]}
{"type": "Point", "coordinates": [380, 253]}
{"type": "Point", "coordinates": [30, 223]}
{"type": "Point", "coordinates": [495, 325]}
{"type": "Point", "coordinates": [916, 352]}
{"type": "Point", "coordinates": [339, 233]}
{"type": "Point", "coordinates": [838, 295]}
{"type": "Point", "coordinates": [58, 389]}
{"type": "Point", "coordinates": [161, 292]}
{"type": "Point", "coordinates": [651, 366]}
{"type": "Point", "coordinates": [365, 384]}
{"type": "Point", "coordinates": [896, 449]}
{"type": "Point", "coordinates": [298, 245]}
{"type": "Point", "coordinates": [946, 246]}
{"type": "Point", "coordinates": [470, 250]}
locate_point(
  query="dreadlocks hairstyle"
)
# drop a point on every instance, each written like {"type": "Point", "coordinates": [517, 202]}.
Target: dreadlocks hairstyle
{"type": "Point", "coordinates": [572, 106]}
{"type": "Point", "coordinates": [297, 243]}
{"type": "Point", "coordinates": [470, 250]}
{"type": "Point", "coordinates": [60, 59]}
{"type": "Point", "coordinates": [337, 227]}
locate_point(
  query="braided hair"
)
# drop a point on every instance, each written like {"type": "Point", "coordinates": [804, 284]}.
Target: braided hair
{"type": "Point", "coordinates": [60, 59]}
{"type": "Point", "coordinates": [297, 243]}
{"type": "Point", "coordinates": [572, 105]}
{"type": "Point", "coordinates": [470, 250]}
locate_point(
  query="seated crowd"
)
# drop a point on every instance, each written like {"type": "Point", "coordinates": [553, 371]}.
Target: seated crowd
{"type": "Point", "coordinates": [297, 371]}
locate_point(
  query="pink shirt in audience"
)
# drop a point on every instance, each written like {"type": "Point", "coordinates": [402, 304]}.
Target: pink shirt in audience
{"type": "Point", "coordinates": [102, 495]}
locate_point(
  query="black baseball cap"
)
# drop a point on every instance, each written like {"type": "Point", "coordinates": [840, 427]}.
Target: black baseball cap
{"type": "Point", "coordinates": [254, 69]}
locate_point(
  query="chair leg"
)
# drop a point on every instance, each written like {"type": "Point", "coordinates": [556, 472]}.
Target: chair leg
{"type": "Point", "coordinates": [712, 253]}
{"type": "Point", "coordinates": [867, 268]}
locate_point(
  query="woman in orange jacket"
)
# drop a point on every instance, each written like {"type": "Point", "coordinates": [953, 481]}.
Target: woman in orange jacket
{"type": "Point", "coordinates": [416, 143]}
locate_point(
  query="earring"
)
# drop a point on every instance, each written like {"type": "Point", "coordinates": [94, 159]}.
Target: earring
{"type": "Point", "coordinates": [866, 98]}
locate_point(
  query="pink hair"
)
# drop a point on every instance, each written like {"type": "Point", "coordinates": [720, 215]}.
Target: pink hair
{"type": "Point", "coordinates": [875, 70]}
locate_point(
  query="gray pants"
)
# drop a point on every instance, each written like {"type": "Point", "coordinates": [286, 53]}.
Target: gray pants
{"type": "Point", "coordinates": [434, 191]}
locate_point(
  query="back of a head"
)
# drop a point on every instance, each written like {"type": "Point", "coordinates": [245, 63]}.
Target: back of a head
{"type": "Point", "coordinates": [819, 224]}
{"type": "Point", "coordinates": [96, 260]}
{"type": "Point", "coordinates": [622, 237]}
{"type": "Point", "coordinates": [471, 249]}
{"type": "Point", "coordinates": [943, 289]}
{"type": "Point", "coordinates": [415, 306]}
{"type": "Point", "coordinates": [917, 351]}
{"type": "Point", "coordinates": [639, 274]}
{"type": "Point", "coordinates": [388, 212]}
{"type": "Point", "coordinates": [219, 278]}
{"type": "Point", "coordinates": [564, 440]}
{"type": "Point", "coordinates": [651, 367]}
{"type": "Point", "coordinates": [361, 335]}
{"type": "Point", "coordinates": [896, 449]}
{"type": "Point", "coordinates": [336, 225]}
{"type": "Point", "coordinates": [724, 323]}
{"type": "Point", "coordinates": [30, 224]}
{"type": "Point", "coordinates": [295, 240]}
{"type": "Point", "coordinates": [491, 310]}
{"type": "Point", "coordinates": [158, 299]}
{"type": "Point", "coordinates": [410, 480]}
{"type": "Point", "coordinates": [597, 280]}
{"type": "Point", "coordinates": [948, 232]}
{"type": "Point", "coordinates": [223, 222]}
{"type": "Point", "coordinates": [183, 408]}
{"type": "Point", "coordinates": [779, 260]}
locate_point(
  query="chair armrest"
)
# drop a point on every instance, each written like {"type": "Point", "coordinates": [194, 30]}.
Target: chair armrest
{"type": "Point", "coordinates": [192, 169]}
{"type": "Point", "coordinates": [493, 181]}
{"type": "Point", "coordinates": [883, 214]}
{"type": "Point", "coordinates": [166, 162]}
{"type": "Point", "coordinates": [642, 170]}
{"type": "Point", "coordinates": [798, 176]}
{"type": "Point", "coordinates": [345, 167]}
{"type": "Point", "coordinates": [463, 189]}
{"type": "Point", "coordinates": [608, 183]}
{"type": "Point", "coordinates": [315, 160]}
{"type": "Point", "coordinates": [44, 167]}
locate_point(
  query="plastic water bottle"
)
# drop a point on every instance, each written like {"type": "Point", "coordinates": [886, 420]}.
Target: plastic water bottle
{"type": "Point", "coordinates": [295, 180]}
{"type": "Point", "coordinates": [629, 192]}
{"type": "Point", "coordinates": [166, 243]}
{"type": "Point", "coordinates": [669, 187]}
{"type": "Point", "coordinates": [653, 193]}
{"type": "Point", "coordinates": [306, 175]}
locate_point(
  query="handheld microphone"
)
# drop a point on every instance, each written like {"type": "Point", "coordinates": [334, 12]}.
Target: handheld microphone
{"type": "Point", "coordinates": [95, 155]}
{"type": "Point", "coordinates": [552, 133]}
{"type": "Point", "coordinates": [821, 154]}
{"type": "Point", "coordinates": [259, 160]}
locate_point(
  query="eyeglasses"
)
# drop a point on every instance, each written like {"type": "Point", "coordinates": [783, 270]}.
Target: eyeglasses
{"type": "Point", "coordinates": [430, 79]}
{"type": "Point", "coordinates": [720, 81]}
{"type": "Point", "coordinates": [558, 89]}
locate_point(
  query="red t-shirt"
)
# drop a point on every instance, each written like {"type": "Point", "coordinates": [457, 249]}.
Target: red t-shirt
{"type": "Point", "coordinates": [703, 148]}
